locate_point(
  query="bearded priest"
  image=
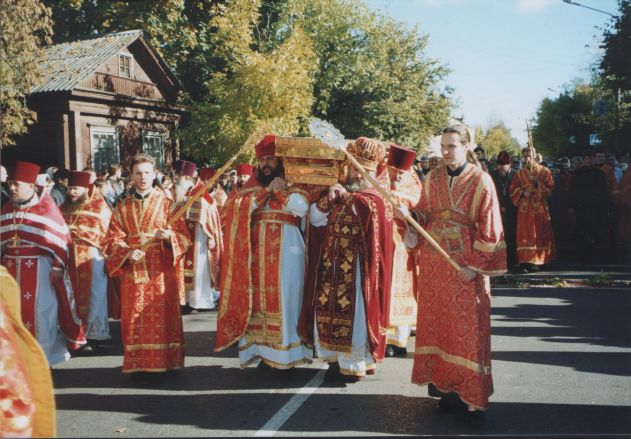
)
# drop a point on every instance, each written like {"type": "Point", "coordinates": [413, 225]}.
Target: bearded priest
{"type": "Point", "coordinates": [263, 267]}
{"type": "Point", "coordinates": [200, 265]}
{"type": "Point", "coordinates": [346, 316]}
{"type": "Point", "coordinates": [88, 217]}
{"type": "Point", "coordinates": [34, 240]}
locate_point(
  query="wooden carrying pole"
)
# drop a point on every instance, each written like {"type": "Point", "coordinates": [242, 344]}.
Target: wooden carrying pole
{"type": "Point", "coordinates": [181, 211]}
{"type": "Point", "coordinates": [408, 217]}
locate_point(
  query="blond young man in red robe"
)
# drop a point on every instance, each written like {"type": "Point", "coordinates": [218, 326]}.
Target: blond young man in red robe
{"type": "Point", "coordinates": [88, 217]}
{"type": "Point", "coordinates": [405, 187]}
{"type": "Point", "coordinates": [530, 189]}
{"type": "Point", "coordinates": [460, 209]}
{"type": "Point", "coordinates": [143, 251]}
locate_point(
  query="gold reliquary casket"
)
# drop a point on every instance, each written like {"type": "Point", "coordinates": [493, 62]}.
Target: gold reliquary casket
{"type": "Point", "coordinates": [309, 161]}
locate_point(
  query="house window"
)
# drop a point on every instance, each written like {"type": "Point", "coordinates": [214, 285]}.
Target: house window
{"type": "Point", "coordinates": [105, 149]}
{"type": "Point", "coordinates": [124, 66]}
{"type": "Point", "coordinates": [153, 144]}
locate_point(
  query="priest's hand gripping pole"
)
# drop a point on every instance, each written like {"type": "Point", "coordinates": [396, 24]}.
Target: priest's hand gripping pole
{"type": "Point", "coordinates": [332, 137]}
{"type": "Point", "coordinates": [396, 205]}
{"type": "Point", "coordinates": [181, 211]}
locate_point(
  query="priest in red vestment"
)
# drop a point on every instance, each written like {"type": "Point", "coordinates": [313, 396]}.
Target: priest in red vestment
{"type": "Point", "coordinates": [88, 217]}
{"type": "Point", "coordinates": [35, 239]}
{"type": "Point", "coordinates": [530, 189]}
{"type": "Point", "coordinates": [405, 188]}
{"type": "Point", "coordinates": [346, 315]}
{"type": "Point", "coordinates": [460, 209]}
{"type": "Point", "coordinates": [216, 191]}
{"type": "Point", "coordinates": [151, 323]}
{"type": "Point", "coordinates": [262, 269]}
{"type": "Point", "coordinates": [199, 282]}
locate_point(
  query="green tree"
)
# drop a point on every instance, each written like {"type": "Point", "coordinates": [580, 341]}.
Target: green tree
{"type": "Point", "coordinates": [497, 138]}
{"type": "Point", "coordinates": [26, 27]}
{"type": "Point", "coordinates": [256, 92]}
{"type": "Point", "coordinates": [615, 75]}
{"type": "Point", "coordinates": [562, 125]}
{"type": "Point", "coordinates": [373, 78]}
{"type": "Point", "coordinates": [616, 61]}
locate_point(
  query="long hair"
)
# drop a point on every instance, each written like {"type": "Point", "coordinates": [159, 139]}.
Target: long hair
{"type": "Point", "coordinates": [465, 139]}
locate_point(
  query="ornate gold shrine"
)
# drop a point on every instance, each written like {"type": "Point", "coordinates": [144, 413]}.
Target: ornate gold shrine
{"type": "Point", "coordinates": [309, 161]}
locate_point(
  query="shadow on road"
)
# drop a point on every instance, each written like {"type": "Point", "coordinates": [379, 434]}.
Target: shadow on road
{"type": "Point", "coordinates": [385, 414]}
{"type": "Point", "coordinates": [192, 378]}
{"type": "Point", "coordinates": [592, 316]}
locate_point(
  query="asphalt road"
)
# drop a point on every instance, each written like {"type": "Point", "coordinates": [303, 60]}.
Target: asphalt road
{"type": "Point", "coordinates": [561, 365]}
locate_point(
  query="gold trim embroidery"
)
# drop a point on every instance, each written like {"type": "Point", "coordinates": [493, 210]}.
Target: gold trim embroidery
{"type": "Point", "coordinates": [455, 359]}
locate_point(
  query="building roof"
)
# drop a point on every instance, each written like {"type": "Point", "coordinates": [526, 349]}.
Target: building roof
{"type": "Point", "coordinates": [66, 65]}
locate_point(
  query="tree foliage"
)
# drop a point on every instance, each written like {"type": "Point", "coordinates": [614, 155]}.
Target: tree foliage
{"type": "Point", "coordinates": [616, 61]}
{"type": "Point", "coordinates": [496, 138]}
{"type": "Point", "coordinates": [249, 65]}
{"type": "Point", "coordinates": [26, 27]}
{"type": "Point", "coordinates": [256, 92]}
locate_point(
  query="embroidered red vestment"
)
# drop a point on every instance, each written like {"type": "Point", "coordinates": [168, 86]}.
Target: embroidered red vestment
{"type": "Point", "coordinates": [535, 239]}
{"type": "Point", "coordinates": [25, 235]}
{"type": "Point", "coordinates": [88, 225]}
{"type": "Point", "coordinates": [404, 264]}
{"type": "Point", "coordinates": [359, 228]}
{"type": "Point", "coordinates": [453, 329]}
{"type": "Point", "coordinates": [151, 323]}
{"type": "Point", "coordinates": [251, 268]}
{"type": "Point", "coordinates": [203, 212]}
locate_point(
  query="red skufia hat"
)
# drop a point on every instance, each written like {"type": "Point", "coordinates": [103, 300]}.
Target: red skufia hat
{"type": "Point", "coordinates": [24, 171]}
{"type": "Point", "coordinates": [79, 178]}
{"type": "Point", "coordinates": [184, 167]}
{"type": "Point", "coordinates": [503, 158]}
{"type": "Point", "coordinates": [267, 146]}
{"type": "Point", "coordinates": [207, 173]}
{"type": "Point", "coordinates": [400, 157]}
{"type": "Point", "coordinates": [244, 169]}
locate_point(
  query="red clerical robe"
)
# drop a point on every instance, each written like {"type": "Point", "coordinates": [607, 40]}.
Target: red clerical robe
{"type": "Point", "coordinates": [404, 265]}
{"type": "Point", "coordinates": [202, 212]}
{"type": "Point", "coordinates": [359, 227]}
{"type": "Point", "coordinates": [535, 239]}
{"type": "Point", "coordinates": [151, 323]}
{"type": "Point", "coordinates": [88, 224]}
{"type": "Point", "coordinates": [250, 277]}
{"type": "Point", "coordinates": [453, 330]}
{"type": "Point", "coordinates": [35, 239]}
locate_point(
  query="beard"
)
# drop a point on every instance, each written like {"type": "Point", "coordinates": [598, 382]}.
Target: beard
{"type": "Point", "coordinates": [265, 180]}
{"type": "Point", "coordinates": [356, 185]}
{"type": "Point", "coordinates": [180, 190]}
{"type": "Point", "coordinates": [80, 201]}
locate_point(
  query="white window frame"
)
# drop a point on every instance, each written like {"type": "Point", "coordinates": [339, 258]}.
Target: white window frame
{"type": "Point", "coordinates": [103, 130]}
{"type": "Point", "coordinates": [131, 65]}
{"type": "Point", "coordinates": [162, 135]}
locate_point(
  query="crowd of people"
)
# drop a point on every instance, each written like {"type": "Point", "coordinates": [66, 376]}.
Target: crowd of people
{"type": "Point", "coordinates": [297, 272]}
{"type": "Point", "coordinates": [581, 212]}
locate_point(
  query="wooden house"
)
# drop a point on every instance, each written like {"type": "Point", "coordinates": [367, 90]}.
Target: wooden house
{"type": "Point", "coordinates": [101, 101]}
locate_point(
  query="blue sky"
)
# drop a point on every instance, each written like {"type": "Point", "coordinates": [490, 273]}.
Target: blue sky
{"type": "Point", "coordinates": [506, 55]}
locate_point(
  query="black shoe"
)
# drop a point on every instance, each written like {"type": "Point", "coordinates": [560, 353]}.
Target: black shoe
{"type": "Point", "coordinates": [333, 372]}
{"type": "Point", "coordinates": [400, 352]}
{"type": "Point", "coordinates": [84, 350]}
{"type": "Point", "coordinates": [390, 350]}
{"type": "Point", "coordinates": [264, 366]}
{"type": "Point", "coordinates": [185, 309]}
{"type": "Point", "coordinates": [451, 401]}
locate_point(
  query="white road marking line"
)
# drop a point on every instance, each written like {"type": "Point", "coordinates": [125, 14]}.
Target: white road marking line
{"type": "Point", "coordinates": [285, 412]}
